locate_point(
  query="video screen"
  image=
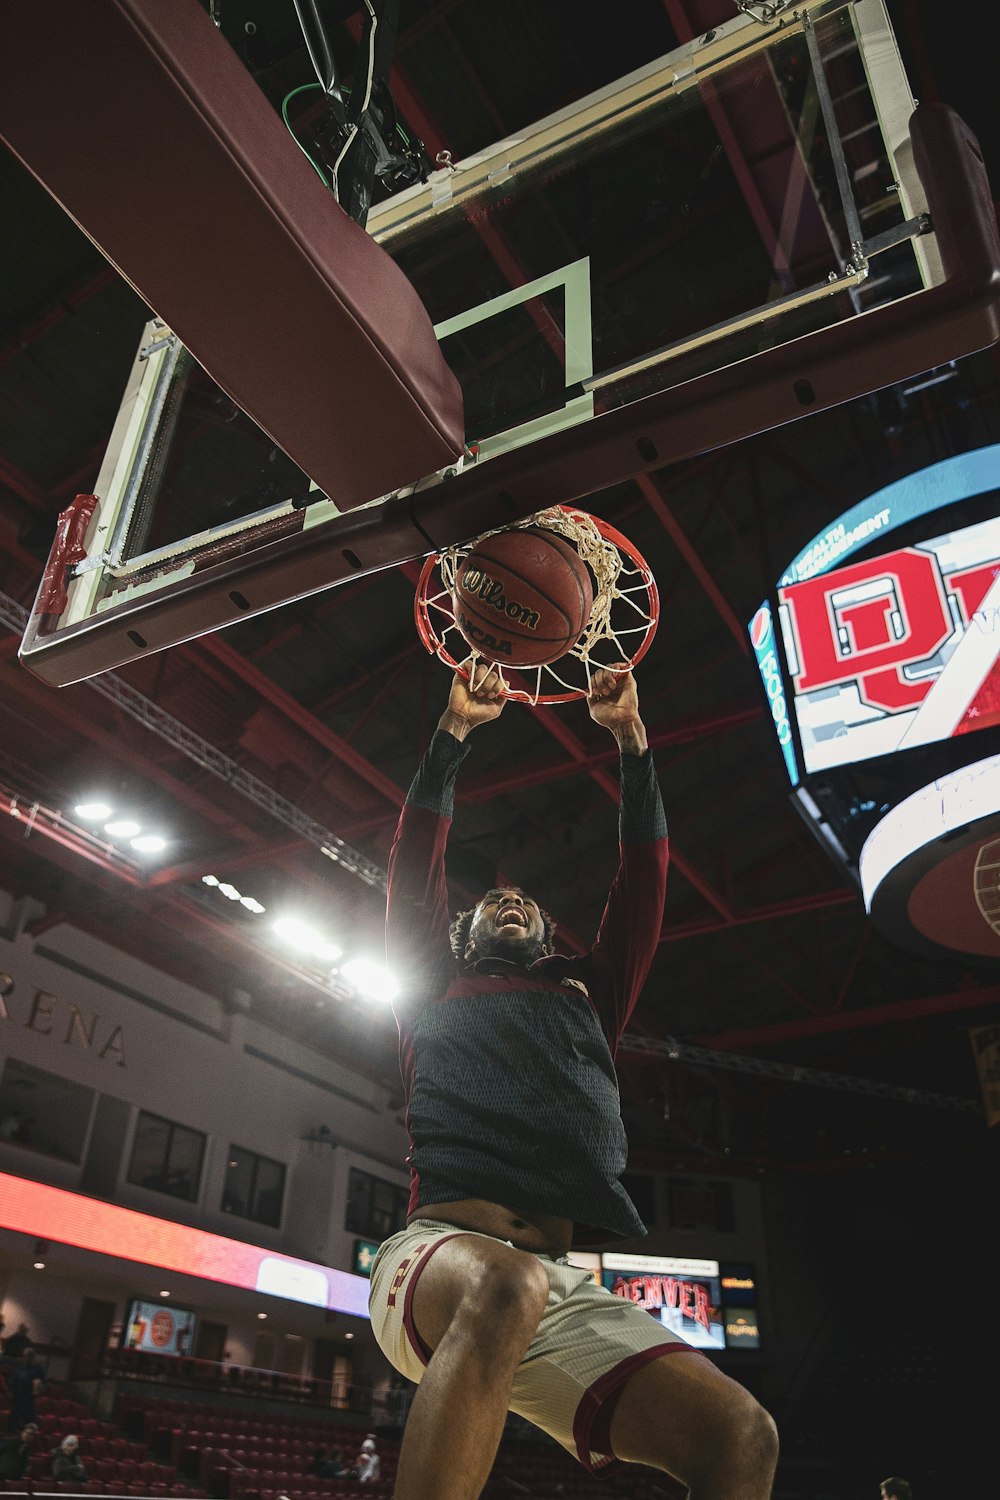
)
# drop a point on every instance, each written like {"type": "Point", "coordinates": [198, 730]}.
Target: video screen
{"type": "Point", "coordinates": [739, 1305]}
{"type": "Point", "coordinates": [883, 633]}
{"type": "Point", "coordinates": [158, 1329]}
{"type": "Point", "coordinates": [684, 1295]}
{"type": "Point", "coordinates": [897, 650]}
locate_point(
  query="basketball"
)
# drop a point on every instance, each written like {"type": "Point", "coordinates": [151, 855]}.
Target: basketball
{"type": "Point", "coordinates": [523, 597]}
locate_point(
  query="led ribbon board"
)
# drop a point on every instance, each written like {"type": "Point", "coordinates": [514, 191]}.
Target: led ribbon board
{"type": "Point", "coordinates": [51, 1213]}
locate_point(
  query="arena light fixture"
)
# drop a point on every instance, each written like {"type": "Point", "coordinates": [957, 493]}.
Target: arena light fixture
{"type": "Point", "coordinates": [306, 939]}
{"type": "Point", "coordinates": [370, 979]}
{"type": "Point", "coordinates": [92, 812]}
{"type": "Point", "coordinates": [123, 828]}
{"type": "Point", "coordinates": [298, 934]}
{"type": "Point", "coordinates": [148, 843]}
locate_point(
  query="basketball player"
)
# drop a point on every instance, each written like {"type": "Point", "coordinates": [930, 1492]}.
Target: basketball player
{"type": "Point", "coordinates": [517, 1150]}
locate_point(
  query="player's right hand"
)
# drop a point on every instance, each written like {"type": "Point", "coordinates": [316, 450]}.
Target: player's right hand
{"type": "Point", "coordinates": [478, 693]}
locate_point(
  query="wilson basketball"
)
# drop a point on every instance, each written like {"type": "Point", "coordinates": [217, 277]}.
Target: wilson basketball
{"type": "Point", "coordinates": [523, 597]}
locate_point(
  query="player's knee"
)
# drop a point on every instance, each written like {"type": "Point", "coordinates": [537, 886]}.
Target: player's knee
{"type": "Point", "coordinates": [750, 1432]}
{"type": "Point", "coordinates": [764, 1435]}
{"type": "Point", "coordinates": [508, 1294]}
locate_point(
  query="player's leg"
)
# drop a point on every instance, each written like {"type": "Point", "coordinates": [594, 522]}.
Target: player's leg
{"type": "Point", "coordinates": [608, 1381]}
{"type": "Point", "coordinates": [681, 1414]}
{"type": "Point", "coordinates": [472, 1305]}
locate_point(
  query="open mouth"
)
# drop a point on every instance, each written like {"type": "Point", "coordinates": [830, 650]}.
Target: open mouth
{"type": "Point", "coordinates": [512, 916]}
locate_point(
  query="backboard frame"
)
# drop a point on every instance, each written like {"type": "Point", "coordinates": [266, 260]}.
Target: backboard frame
{"type": "Point", "coordinates": [298, 550]}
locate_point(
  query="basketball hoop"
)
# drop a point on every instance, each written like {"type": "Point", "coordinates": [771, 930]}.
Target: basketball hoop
{"type": "Point", "coordinates": [621, 627]}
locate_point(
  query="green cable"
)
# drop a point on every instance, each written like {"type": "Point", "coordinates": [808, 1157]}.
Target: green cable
{"type": "Point", "coordinates": [302, 88]}
{"type": "Point", "coordinates": [284, 115]}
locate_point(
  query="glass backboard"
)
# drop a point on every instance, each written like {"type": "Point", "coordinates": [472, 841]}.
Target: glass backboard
{"type": "Point", "coordinates": [758, 226]}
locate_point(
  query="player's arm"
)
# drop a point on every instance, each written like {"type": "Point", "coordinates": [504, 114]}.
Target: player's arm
{"type": "Point", "coordinates": [630, 927]}
{"type": "Point", "coordinates": [417, 918]}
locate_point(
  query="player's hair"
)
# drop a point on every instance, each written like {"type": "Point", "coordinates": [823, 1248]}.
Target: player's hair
{"type": "Point", "coordinates": [458, 932]}
{"type": "Point", "coordinates": [898, 1489]}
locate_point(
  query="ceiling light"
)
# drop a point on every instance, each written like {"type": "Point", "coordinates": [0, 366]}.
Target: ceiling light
{"type": "Point", "coordinates": [230, 891]}
{"type": "Point", "coordinates": [370, 979]}
{"type": "Point", "coordinates": [251, 904]}
{"type": "Point", "coordinates": [149, 843]}
{"type": "Point", "coordinates": [92, 811]}
{"type": "Point", "coordinates": [348, 1335]}
{"type": "Point", "coordinates": [297, 933]}
{"type": "Point", "coordinates": [262, 1316]}
{"type": "Point", "coordinates": [39, 1265]}
{"type": "Point", "coordinates": [164, 1294]}
{"type": "Point", "coordinates": [210, 880]}
{"type": "Point", "coordinates": [123, 828]}
{"type": "Point", "coordinates": [329, 952]}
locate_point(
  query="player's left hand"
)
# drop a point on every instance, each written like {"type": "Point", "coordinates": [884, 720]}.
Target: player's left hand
{"type": "Point", "coordinates": [613, 702]}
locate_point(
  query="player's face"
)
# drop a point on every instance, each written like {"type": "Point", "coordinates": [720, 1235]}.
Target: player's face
{"type": "Point", "coordinates": [507, 924]}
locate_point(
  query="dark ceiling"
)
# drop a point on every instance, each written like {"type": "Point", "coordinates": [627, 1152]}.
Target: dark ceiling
{"type": "Point", "coordinates": [778, 1030]}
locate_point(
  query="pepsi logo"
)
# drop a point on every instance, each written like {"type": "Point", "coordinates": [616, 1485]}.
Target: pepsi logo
{"type": "Point", "coordinates": [760, 627]}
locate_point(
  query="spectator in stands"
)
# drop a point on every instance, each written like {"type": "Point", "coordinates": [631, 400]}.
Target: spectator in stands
{"type": "Point", "coordinates": [13, 1127]}
{"type": "Point", "coordinates": [369, 1464]}
{"type": "Point", "coordinates": [16, 1343]}
{"type": "Point", "coordinates": [24, 1379]}
{"type": "Point", "coordinates": [895, 1488]}
{"type": "Point", "coordinates": [330, 1465]}
{"type": "Point", "coordinates": [15, 1452]}
{"type": "Point", "coordinates": [66, 1462]}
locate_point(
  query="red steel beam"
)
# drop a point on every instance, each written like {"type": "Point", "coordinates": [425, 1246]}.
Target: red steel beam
{"type": "Point", "coordinates": [18, 342]}
{"type": "Point", "coordinates": [737, 628]}
{"type": "Point", "coordinates": [797, 907]}
{"type": "Point", "coordinates": [293, 710]}
{"type": "Point", "coordinates": [852, 1020]}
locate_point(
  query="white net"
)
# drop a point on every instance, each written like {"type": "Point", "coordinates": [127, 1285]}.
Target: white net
{"type": "Point", "coordinates": [622, 620]}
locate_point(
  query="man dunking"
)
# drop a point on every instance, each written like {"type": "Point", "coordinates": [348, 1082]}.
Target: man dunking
{"type": "Point", "coordinates": [506, 1051]}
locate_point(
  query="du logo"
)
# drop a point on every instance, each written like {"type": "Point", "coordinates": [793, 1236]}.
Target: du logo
{"type": "Point", "coordinates": [883, 624]}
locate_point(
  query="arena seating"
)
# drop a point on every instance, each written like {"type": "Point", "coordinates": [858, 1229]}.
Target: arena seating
{"type": "Point", "coordinates": [249, 1454]}
{"type": "Point", "coordinates": [176, 1449]}
{"type": "Point", "coordinates": [116, 1465]}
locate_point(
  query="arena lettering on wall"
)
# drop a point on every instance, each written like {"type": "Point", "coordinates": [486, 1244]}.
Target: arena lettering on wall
{"type": "Point", "coordinates": [65, 1022]}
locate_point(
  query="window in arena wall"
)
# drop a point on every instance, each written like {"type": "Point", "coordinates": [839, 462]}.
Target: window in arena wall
{"type": "Point", "coordinates": [254, 1187]}
{"type": "Point", "coordinates": [44, 1112]}
{"type": "Point", "coordinates": [375, 1208]}
{"type": "Point", "coordinates": [167, 1157]}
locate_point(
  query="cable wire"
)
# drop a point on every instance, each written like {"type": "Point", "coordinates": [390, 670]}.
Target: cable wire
{"type": "Point", "coordinates": [302, 88]}
{"type": "Point", "coordinates": [360, 114]}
